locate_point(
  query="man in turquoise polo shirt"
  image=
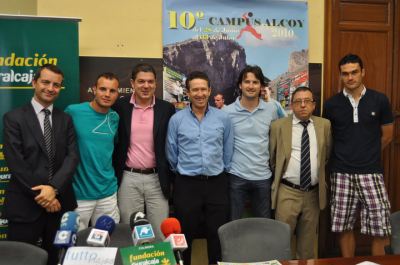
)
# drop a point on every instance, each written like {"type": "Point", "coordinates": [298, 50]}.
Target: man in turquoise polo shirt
{"type": "Point", "coordinates": [96, 125]}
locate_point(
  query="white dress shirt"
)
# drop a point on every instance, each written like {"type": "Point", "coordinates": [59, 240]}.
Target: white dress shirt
{"type": "Point", "coordinates": [40, 114]}
{"type": "Point", "coordinates": [292, 173]}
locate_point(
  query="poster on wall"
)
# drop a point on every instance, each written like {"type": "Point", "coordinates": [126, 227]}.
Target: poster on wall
{"type": "Point", "coordinates": [26, 43]}
{"type": "Point", "coordinates": [91, 67]}
{"type": "Point", "coordinates": [221, 37]}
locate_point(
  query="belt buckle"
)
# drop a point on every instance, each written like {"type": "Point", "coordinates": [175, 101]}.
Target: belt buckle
{"type": "Point", "coordinates": [149, 170]}
{"type": "Point", "coordinates": [204, 177]}
{"type": "Point", "coordinates": [309, 188]}
{"type": "Point", "coordinates": [302, 188]}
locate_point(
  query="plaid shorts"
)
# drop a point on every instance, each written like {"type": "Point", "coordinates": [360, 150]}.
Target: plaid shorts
{"type": "Point", "coordinates": [350, 191]}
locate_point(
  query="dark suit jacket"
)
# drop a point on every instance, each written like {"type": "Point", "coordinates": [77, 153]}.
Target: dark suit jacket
{"type": "Point", "coordinates": [26, 157]}
{"type": "Point", "coordinates": [280, 150]}
{"type": "Point", "coordinates": [162, 113]}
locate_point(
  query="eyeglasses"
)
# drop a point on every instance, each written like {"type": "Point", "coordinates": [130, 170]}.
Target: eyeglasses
{"type": "Point", "coordinates": [306, 101]}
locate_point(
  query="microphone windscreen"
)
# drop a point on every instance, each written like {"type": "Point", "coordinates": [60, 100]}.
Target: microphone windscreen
{"type": "Point", "coordinates": [106, 223]}
{"type": "Point", "coordinates": [70, 222]}
{"type": "Point", "coordinates": [170, 226]}
{"type": "Point", "coordinates": [137, 218]}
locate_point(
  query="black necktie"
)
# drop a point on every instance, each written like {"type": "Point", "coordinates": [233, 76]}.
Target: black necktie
{"type": "Point", "coordinates": [305, 166]}
{"type": "Point", "coordinates": [48, 140]}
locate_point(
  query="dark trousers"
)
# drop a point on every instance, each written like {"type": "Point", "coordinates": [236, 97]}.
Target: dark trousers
{"type": "Point", "coordinates": [197, 199]}
{"type": "Point", "coordinates": [259, 193]}
{"type": "Point", "coordinates": [40, 233]}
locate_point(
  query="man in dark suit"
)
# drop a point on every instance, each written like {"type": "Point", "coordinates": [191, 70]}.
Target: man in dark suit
{"type": "Point", "coordinates": [40, 151]}
{"type": "Point", "coordinates": [139, 157]}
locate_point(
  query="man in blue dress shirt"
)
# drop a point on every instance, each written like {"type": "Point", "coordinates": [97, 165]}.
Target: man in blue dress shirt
{"type": "Point", "coordinates": [199, 150]}
{"type": "Point", "coordinates": [250, 175]}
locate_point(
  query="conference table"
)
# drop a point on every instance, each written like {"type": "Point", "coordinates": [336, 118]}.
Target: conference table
{"type": "Point", "coordinates": [382, 260]}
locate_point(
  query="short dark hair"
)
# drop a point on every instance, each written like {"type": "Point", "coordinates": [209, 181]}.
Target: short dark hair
{"type": "Point", "coordinates": [219, 94]}
{"type": "Point", "coordinates": [254, 69]}
{"type": "Point", "coordinates": [196, 75]}
{"type": "Point", "coordinates": [143, 67]}
{"type": "Point", "coordinates": [107, 75]}
{"type": "Point", "coordinates": [302, 88]}
{"type": "Point", "coordinates": [351, 58]}
{"type": "Point", "coordinates": [51, 67]}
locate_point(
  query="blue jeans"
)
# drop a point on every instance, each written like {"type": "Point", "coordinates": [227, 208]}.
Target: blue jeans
{"type": "Point", "coordinates": [259, 193]}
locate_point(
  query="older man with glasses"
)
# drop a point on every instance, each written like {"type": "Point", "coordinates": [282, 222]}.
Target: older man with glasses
{"type": "Point", "coordinates": [299, 149]}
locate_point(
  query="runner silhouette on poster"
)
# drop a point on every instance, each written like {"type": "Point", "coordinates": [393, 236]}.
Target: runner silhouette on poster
{"type": "Point", "coordinates": [249, 27]}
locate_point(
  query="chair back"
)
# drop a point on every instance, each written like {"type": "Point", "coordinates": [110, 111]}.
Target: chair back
{"type": "Point", "coordinates": [20, 253]}
{"type": "Point", "coordinates": [254, 240]}
{"type": "Point", "coordinates": [395, 238]}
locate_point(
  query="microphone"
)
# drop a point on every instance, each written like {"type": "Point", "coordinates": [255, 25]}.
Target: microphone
{"type": "Point", "coordinates": [105, 222]}
{"type": "Point", "coordinates": [171, 228]}
{"type": "Point", "coordinates": [100, 235]}
{"type": "Point", "coordinates": [142, 231]}
{"type": "Point", "coordinates": [137, 218]}
{"type": "Point", "coordinates": [66, 235]}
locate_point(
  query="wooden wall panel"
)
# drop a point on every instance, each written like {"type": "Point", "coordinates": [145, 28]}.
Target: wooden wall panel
{"type": "Point", "coordinates": [364, 13]}
{"type": "Point", "coordinates": [377, 62]}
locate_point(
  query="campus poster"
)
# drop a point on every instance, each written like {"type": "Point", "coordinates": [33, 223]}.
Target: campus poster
{"type": "Point", "coordinates": [220, 37]}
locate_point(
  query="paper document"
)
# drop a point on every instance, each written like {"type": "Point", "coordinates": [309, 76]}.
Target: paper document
{"type": "Point", "coordinates": [271, 262]}
{"type": "Point", "coordinates": [90, 256]}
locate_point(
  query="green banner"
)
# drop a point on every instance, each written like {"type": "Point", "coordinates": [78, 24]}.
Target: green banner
{"type": "Point", "coordinates": [151, 254]}
{"type": "Point", "coordinates": [26, 43]}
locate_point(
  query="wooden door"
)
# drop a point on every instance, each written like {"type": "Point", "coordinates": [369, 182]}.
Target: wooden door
{"type": "Point", "coordinates": [369, 28]}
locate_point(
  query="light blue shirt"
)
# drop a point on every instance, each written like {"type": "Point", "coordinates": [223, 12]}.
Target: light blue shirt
{"type": "Point", "coordinates": [280, 110]}
{"type": "Point", "coordinates": [200, 147]}
{"type": "Point", "coordinates": [250, 159]}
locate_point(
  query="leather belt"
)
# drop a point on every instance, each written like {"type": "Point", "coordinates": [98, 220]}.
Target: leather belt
{"type": "Point", "coordinates": [202, 177]}
{"type": "Point", "coordinates": [297, 187]}
{"type": "Point", "coordinates": [145, 171]}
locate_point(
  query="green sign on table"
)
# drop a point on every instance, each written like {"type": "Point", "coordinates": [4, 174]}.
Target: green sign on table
{"type": "Point", "coordinates": [152, 254]}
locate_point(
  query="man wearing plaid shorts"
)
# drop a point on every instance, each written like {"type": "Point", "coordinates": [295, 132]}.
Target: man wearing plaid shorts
{"type": "Point", "coordinates": [362, 126]}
